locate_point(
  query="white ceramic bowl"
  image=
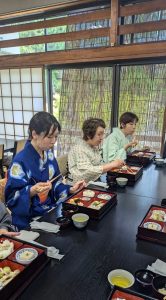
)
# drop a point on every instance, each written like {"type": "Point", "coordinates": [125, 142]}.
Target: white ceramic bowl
{"type": "Point", "coordinates": [26, 255]}
{"type": "Point", "coordinates": [121, 181]}
{"type": "Point", "coordinates": [80, 220]}
{"type": "Point", "coordinates": [121, 278]}
{"type": "Point", "coordinates": [159, 161]}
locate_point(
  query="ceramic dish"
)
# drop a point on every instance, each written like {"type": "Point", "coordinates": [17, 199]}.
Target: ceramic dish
{"type": "Point", "coordinates": [26, 255]}
{"type": "Point", "coordinates": [152, 226]}
{"type": "Point", "coordinates": [80, 220]}
{"type": "Point", "coordinates": [121, 278]}
{"type": "Point", "coordinates": [104, 196]}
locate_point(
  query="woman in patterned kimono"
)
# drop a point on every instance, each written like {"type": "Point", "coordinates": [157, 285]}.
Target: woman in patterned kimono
{"type": "Point", "coordinates": [31, 172]}
{"type": "Point", "coordinates": [84, 159]}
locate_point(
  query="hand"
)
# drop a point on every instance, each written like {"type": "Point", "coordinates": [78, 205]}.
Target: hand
{"type": "Point", "coordinates": [145, 148]}
{"type": "Point", "coordinates": [40, 187]}
{"type": "Point", "coordinates": [118, 163]}
{"type": "Point", "coordinates": [132, 144]}
{"type": "Point", "coordinates": [77, 186]}
{"type": "Point", "coordinates": [4, 231]}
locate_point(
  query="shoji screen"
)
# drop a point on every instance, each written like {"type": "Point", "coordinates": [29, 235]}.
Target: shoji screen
{"type": "Point", "coordinates": [21, 96]}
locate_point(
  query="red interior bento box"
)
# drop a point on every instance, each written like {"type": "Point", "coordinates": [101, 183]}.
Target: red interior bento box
{"type": "Point", "coordinates": [131, 172]}
{"type": "Point", "coordinates": [120, 293]}
{"type": "Point", "coordinates": [143, 158]}
{"type": "Point", "coordinates": [95, 203]}
{"type": "Point", "coordinates": [153, 225]}
{"type": "Point", "coordinates": [15, 276]}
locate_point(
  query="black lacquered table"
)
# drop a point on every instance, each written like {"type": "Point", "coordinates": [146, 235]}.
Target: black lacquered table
{"type": "Point", "coordinates": [91, 253]}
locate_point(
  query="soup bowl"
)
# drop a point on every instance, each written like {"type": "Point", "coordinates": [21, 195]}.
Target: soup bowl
{"type": "Point", "coordinates": [144, 278]}
{"type": "Point", "coordinates": [121, 278]}
{"type": "Point", "coordinates": [159, 287]}
{"type": "Point", "coordinates": [80, 220]}
{"type": "Point", "coordinates": [122, 181]}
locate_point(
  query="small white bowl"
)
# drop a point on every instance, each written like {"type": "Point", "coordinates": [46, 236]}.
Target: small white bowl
{"type": "Point", "coordinates": [80, 220]}
{"type": "Point", "coordinates": [121, 278]}
{"type": "Point", "coordinates": [121, 181]}
{"type": "Point", "coordinates": [26, 255]}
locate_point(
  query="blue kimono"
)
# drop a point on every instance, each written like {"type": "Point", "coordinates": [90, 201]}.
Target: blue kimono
{"type": "Point", "coordinates": [26, 170]}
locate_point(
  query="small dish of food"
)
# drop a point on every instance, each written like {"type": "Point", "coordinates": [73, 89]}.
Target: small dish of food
{"type": "Point", "coordinates": [104, 196]}
{"type": "Point", "coordinates": [158, 215]}
{"type": "Point", "coordinates": [152, 226]}
{"type": "Point", "coordinates": [159, 287]}
{"type": "Point", "coordinates": [80, 220]}
{"type": "Point", "coordinates": [63, 222]}
{"type": "Point", "coordinates": [159, 162]}
{"type": "Point", "coordinates": [6, 248]}
{"type": "Point", "coordinates": [144, 278]}
{"type": "Point", "coordinates": [88, 193]}
{"type": "Point", "coordinates": [96, 205]}
{"type": "Point", "coordinates": [26, 255]}
{"type": "Point", "coordinates": [121, 278]}
{"type": "Point", "coordinates": [85, 198]}
{"type": "Point", "coordinates": [121, 181]}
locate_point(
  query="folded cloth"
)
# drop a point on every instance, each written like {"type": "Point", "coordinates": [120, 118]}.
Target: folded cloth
{"type": "Point", "coordinates": [99, 183]}
{"type": "Point", "coordinates": [51, 251]}
{"type": "Point", "coordinates": [158, 267]}
{"type": "Point", "coordinates": [45, 226]}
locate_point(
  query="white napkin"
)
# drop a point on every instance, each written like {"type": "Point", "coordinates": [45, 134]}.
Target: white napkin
{"type": "Point", "coordinates": [27, 235]}
{"type": "Point", "coordinates": [45, 226]}
{"type": "Point", "coordinates": [51, 251]}
{"type": "Point", "coordinates": [158, 267]}
{"type": "Point", "coordinates": [99, 183]}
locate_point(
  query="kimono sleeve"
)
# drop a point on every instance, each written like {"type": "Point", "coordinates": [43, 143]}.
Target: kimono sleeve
{"type": "Point", "coordinates": [17, 191]}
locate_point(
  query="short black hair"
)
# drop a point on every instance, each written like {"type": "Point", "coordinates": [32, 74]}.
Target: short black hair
{"type": "Point", "coordinates": [127, 117]}
{"type": "Point", "coordinates": [90, 126]}
{"type": "Point", "coordinates": [42, 122]}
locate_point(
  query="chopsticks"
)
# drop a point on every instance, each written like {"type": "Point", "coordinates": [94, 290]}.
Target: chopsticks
{"type": "Point", "coordinates": [130, 170]}
{"type": "Point", "coordinates": [53, 179]}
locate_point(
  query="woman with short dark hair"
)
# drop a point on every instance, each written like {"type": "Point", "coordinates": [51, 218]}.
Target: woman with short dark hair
{"type": "Point", "coordinates": [84, 159]}
{"type": "Point", "coordinates": [29, 191]}
{"type": "Point", "coordinates": [120, 141]}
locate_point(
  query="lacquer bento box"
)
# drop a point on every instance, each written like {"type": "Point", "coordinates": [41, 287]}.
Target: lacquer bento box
{"type": "Point", "coordinates": [20, 262]}
{"type": "Point", "coordinates": [120, 293]}
{"type": "Point", "coordinates": [153, 225]}
{"type": "Point", "coordinates": [143, 158]}
{"type": "Point", "coordinates": [95, 203]}
{"type": "Point", "coordinates": [131, 172]}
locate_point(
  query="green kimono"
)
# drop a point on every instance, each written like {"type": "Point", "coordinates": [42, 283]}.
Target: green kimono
{"type": "Point", "coordinates": [113, 146]}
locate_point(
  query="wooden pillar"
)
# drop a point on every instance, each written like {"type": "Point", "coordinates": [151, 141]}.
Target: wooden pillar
{"type": "Point", "coordinates": [114, 22]}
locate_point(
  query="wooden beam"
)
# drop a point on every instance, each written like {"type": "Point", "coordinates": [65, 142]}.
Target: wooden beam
{"type": "Point", "coordinates": [45, 9]}
{"type": "Point", "coordinates": [142, 27]}
{"type": "Point", "coordinates": [142, 8]}
{"type": "Point", "coordinates": [68, 20]}
{"type": "Point", "coordinates": [101, 54]}
{"type": "Point", "coordinates": [61, 37]}
{"type": "Point", "coordinates": [114, 22]}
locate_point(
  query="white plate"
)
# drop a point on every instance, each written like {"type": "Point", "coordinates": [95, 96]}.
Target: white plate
{"type": "Point", "coordinates": [104, 196]}
{"type": "Point", "coordinates": [152, 226]}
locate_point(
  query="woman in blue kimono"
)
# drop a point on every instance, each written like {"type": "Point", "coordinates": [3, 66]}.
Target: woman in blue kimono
{"type": "Point", "coordinates": [31, 172]}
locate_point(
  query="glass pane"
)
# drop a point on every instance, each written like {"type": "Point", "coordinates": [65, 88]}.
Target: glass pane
{"type": "Point", "coordinates": [2, 129]}
{"type": "Point", "coordinates": [1, 116]}
{"type": "Point", "coordinates": [27, 116]}
{"type": "Point", "coordinates": [6, 89]}
{"type": "Point", "coordinates": [15, 75]}
{"type": "Point", "coordinates": [16, 89]}
{"type": "Point", "coordinates": [8, 116]}
{"type": "Point", "coordinates": [38, 104]}
{"type": "Point", "coordinates": [26, 130]}
{"type": "Point", "coordinates": [17, 104]}
{"type": "Point", "coordinates": [7, 103]}
{"type": "Point", "coordinates": [27, 103]}
{"type": "Point", "coordinates": [37, 89]}
{"type": "Point", "coordinates": [5, 76]}
{"type": "Point", "coordinates": [25, 75]}
{"type": "Point", "coordinates": [26, 89]}
{"type": "Point", "coordinates": [18, 117]}
{"type": "Point", "coordinates": [19, 130]}
{"type": "Point", "coordinates": [9, 136]}
{"type": "Point", "coordinates": [9, 129]}
{"type": "Point", "coordinates": [0, 102]}
{"type": "Point", "coordinates": [36, 74]}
